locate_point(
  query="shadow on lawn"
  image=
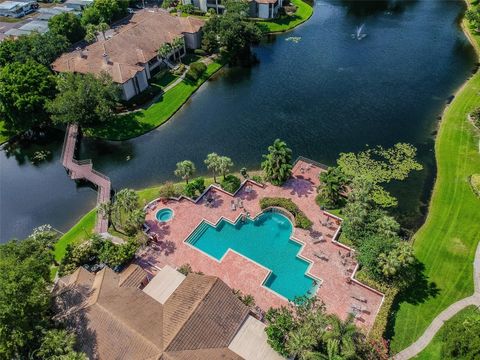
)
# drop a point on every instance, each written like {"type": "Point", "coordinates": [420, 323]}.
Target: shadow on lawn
{"type": "Point", "coordinates": [419, 290]}
{"type": "Point", "coordinates": [122, 127]}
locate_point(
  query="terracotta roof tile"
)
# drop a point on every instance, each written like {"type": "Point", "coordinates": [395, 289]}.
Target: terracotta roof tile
{"type": "Point", "coordinates": [133, 45]}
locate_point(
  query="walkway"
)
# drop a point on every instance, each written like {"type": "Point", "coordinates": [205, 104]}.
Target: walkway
{"type": "Point", "coordinates": [445, 315]}
{"type": "Point", "coordinates": [83, 169]}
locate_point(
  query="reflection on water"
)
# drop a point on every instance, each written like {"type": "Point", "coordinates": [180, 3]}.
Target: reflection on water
{"type": "Point", "coordinates": [324, 94]}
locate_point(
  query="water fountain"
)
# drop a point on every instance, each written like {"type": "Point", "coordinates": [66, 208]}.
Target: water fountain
{"type": "Point", "coordinates": [358, 34]}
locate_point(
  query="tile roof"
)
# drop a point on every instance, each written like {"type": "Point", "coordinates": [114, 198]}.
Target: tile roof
{"type": "Point", "coordinates": [132, 45]}
{"type": "Point", "coordinates": [114, 321]}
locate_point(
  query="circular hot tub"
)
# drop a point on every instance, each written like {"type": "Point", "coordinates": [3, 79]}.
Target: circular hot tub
{"type": "Point", "coordinates": [164, 215]}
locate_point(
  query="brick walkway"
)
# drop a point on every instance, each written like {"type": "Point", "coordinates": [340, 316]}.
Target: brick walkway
{"type": "Point", "coordinates": [338, 290]}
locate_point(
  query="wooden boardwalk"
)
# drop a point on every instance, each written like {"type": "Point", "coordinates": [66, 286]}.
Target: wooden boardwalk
{"type": "Point", "coordinates": [83, 169]}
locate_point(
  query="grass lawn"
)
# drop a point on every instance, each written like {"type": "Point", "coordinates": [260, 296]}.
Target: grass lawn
{"type": "Point", "coordinates": [137, 123]}
{"type": "Point", "coordinates": [434, 350]}
{"type": "Point", "coordinates": [76, 234]}
{"type": "Point", "coordinates": [285, 23]}
{"type": "Point", "coordinates": [446, 243]}
{"type": "Point", "coordinates": [5, 135]}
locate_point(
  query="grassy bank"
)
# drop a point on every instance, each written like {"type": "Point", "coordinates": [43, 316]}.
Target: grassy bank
{"type": "Point", "coordinates": [137, 123]}
{"type": "Point", "coordinates": [446, 243]}
{"type": "Point", "coordinates": [76, 234]}
{"type": "Point", "coordinates": [287, 22]}
{"type": "Point", "coordinates": [434, 350]}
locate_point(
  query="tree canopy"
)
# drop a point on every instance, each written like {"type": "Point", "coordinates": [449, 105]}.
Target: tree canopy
{"type": "Point", "coordinates": [67, 24]}
{"type": "Point", "coordinates": [43, 48]}
{"type": "Point", "coordinates": [185, 169]}
{"type": "Point", "coordinates": [24, 296]}
{"type": "Point", "coordinates": [25, 88]}
{"type": "Point", "coordinates": [84, 99]}
{"type": "Point", "coordinates": [380, 166]}
{"type": "Point", "coordinates": [233, 34]}
{"type": "Point", "coordinates": [277, 163]}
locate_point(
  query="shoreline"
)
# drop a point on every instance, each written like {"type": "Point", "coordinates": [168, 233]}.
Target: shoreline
{"type": "Point", "coordinates": [446, 126]}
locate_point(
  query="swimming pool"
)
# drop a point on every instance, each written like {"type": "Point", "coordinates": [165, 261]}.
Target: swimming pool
{"type": "Point", "coordinates": [265, 240]}
{"type": "Point", "coordinates": [164, 215]}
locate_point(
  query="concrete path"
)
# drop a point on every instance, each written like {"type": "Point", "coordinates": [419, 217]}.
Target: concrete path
{"type": "Point", "coordinates": [445, 315]}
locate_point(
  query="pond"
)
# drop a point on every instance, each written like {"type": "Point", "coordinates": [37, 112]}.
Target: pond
{"type": "Point", "coordinates": [319, 88]}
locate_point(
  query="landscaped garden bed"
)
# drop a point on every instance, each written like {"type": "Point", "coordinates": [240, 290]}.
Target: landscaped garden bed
{"type": "Point", "coordinates": [301, 220]}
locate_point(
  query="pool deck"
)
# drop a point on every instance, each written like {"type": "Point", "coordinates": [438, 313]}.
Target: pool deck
{"type": "Point", "coordinates": [338, 290]}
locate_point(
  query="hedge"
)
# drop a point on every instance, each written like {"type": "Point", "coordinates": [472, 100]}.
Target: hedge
{"type": "Point", "coordinates": [301, 219]}
{"type": "Point", "coordinates": [379, 327]}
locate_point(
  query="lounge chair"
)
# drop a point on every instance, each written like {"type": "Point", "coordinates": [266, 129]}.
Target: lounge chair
{"type": "Point", "coordinates": [234, 207]}
{"type": "Point", "coordinates": [318, 239]}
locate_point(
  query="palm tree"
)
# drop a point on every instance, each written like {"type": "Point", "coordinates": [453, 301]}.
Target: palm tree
{"type": "Point", "coordinates": [213, 163]}
{"type": "Point", "coordinates": [333, 183]}
{"type": "Point", "coordinates": [164, 50]}
{"type": "Point", "coordinates": [300, 344]}
{"type": "Point", "coordinates": [277, 164]}
{"type": "Point", "coordinates": [126, 201]}
{"type": "Point", "coordinates": [342, 337]}
{"type": "Point", "coordinates": [102, 27]}
{"type": "Point", "coordinates": [225, 164]}
{"type": "Point", "coordinates": [185, 170]}
{"type": "Point", "coordinates": [91, 33]}
{"type": "Point", "coordinates": [178, 43]}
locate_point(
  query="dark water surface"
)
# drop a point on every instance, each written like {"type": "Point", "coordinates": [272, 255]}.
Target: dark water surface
{"type": "Point", "coordinates": [325, 94]}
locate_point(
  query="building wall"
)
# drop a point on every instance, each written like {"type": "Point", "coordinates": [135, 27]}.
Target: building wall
{"type": "Point", "coordinates": [193, 41]}
{"type": "Point", "coordinates": [128, 90]}
{"type": "Point", "coordinates": [264, 11]}
{"type": "Point", "coordinates": [142, 80]}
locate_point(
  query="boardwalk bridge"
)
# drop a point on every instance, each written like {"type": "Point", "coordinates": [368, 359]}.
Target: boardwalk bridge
{"type": "Point", "coordinates": [83, 170]}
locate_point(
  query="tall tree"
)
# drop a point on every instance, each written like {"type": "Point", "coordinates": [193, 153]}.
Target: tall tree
{"type": "Point", "coordinates": [84, 99]}
{"type": "Point", "coordinates": [213, 163]}
{"type": "Point", "coordinates": [332, 186]}
{"type": "Point", "coordinates": [380, 166]}
{"type": "Point", "coordinates": [185, 170]}
{"type": "Point", "coordinates": [42, 48]}
{"type": "Point", "coordinates": [277, 163]}
{"type": "Point", "coordinates": [24, 296]}
{"type": "Point", "coordinates": [225, 165]}
{"type": "Point", "coordinates": [67, 24]}
{"type": "Point", "coordinates": [24, 90]}
{"type": "Point", "coordinates": [59, 344]}
{"type": "Point", "coordinates": [344, 335]}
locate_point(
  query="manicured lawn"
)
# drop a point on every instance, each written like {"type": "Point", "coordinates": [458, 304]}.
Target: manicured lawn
{"type": "Point", "coordinates": [285, 23]}
{"type": "Point", "coordinates": [434, 350]}
{"type": "Point", "coordinates": [137, 123]}
{"type": "Point", "coordinates": [4, 133]}
{"type": "Point", "coordinates": [446, 243]}
{"type": "Point", "coordinates": [76, 234]}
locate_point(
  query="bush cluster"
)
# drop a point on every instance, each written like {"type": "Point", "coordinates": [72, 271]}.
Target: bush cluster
{"type": "Point", "coordinates": [95, 251]}
{"type": "Point", "coordinates": [301, 219]}
{"type": "Point", "coordinates": [231, 183]}
{"type": "Point", "coordinates": [196, 185]}
{"type": "Point", "coordinates": [196, 70]}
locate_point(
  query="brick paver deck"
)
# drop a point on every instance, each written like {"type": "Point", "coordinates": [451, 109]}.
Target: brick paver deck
{"type": "Point", "coordinates": [338, 290]}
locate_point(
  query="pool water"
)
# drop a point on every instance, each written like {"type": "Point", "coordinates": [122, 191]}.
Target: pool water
{"type": "Point", "coordinates": [265, 240]}
{"type": "Point", "coordinates": [164, 215]}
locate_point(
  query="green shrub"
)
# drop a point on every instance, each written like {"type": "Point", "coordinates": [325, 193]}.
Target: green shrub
{"type": "Point", "coordinates": [117, 255]}
{"type": "Point", "coordinates": [196, 70]}
{"type": "Point", "coordinates": [196, 185]}
{"type": "Point", "coordinates": [475, 116]}
{"type": "Point", "coordinates": [258, 179]}
{"type": "Point", "coordinates": [200, 52]}
{"type": "Point", "coordinates": [301, 219]}
{"type": "Point", "coordinates": [168, 190]}
{"type": "Point", "coordinates": [231, 183]}
{"type": "Point", "coordinates": [187, 9]}
{"type": "Point", "coordinates": [185, 269]}
{"type": "Point", "coordinates": [475, 182]}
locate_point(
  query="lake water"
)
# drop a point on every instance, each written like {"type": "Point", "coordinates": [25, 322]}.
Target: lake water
{"type": "Point", "coordinates": [325, 94]}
